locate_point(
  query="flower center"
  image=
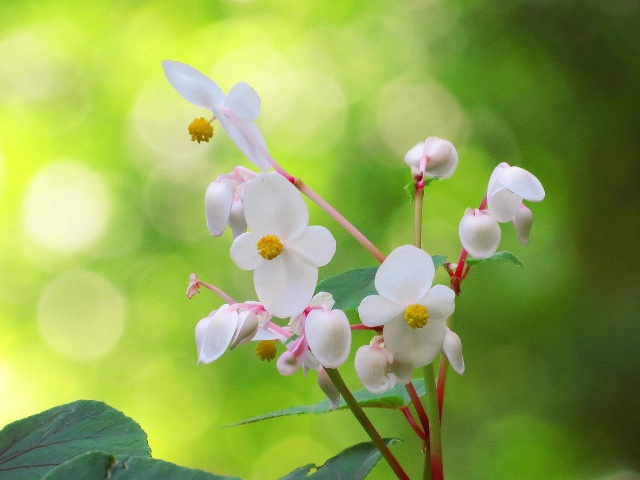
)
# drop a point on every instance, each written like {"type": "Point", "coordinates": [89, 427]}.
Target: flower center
{"type": "Point", "coordinates": [416, 315]}
{"type": "Point", "coordinates": [266, 350]}
{"type": "Point", "coordinates": [200, 129]}
{"type": "Point", "coordinates": [269, 247]}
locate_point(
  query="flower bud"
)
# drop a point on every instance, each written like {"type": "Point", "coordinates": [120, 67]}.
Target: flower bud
{"type": "Point", "coordinates": [433, 158]}
{"type": "Point", "coordinates": [329, 336]}
{"type": "Point", "coordinates": [479, 233]}
{"type": "Point", "coordinates": [452, 350]}
{"type": "Point", "coordinates": [522, 221]}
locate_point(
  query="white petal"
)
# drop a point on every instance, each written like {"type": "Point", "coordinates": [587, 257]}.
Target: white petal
{"type": "Point", "coordinates": [440, 302]}
{"type": "Point", "coordinates": [372, 367]}
{"type": "Point", "coordinates": [245, 330]}
{"type": "Point", "coordinates": [329, 337]}
{"type": "Point", "coordinates": [452, 349]}
{"type": "Point", "coordinates": [285, 284]}
{"type": "Point", "coordinates": [237, 221]}
{"type": "Point", "coordinates": [273, 206]}
{"type": "Point", "coordinates": [402, 371]}
{"type": "Point", "coordinates": [522, 222]}
{"type": "Point", "coordinates": [329, 389]}
{"type": "Point", "coordinates": [192, 85]}
{"type": "Point", "coordinates": [406, 275]}
{"type": "Point", "coordinates": [479, 233]}
{"type": "Point", "coordinates": [316, 245]}
{"type": "Point", "coordinates": [523, 183]}
{"type": "Point", "coordinates": [413, 156]}
{"type": "Point", "coordinates": [503, 204]}
{"type": "Point", "coordinates": [217, 202]}
{"type": "Point", "coordinates": [287, 364]}
{"type": "Point", "coordinates": [267, 334]}
{"type": "Point", "coordinates": [322, 298]}
{"type": "Point", "coordinates": [494, 180]}
{"type": "Point", "coordinates": [214, 333]}
{"type": "Point", "coordinates": [415, 346]}
{"type": "Point", "coordinates": [246, 135]}
{"type": "Point", "coordinates": [442, 157]}
{"type": "Point", "coordinates": [375, 310]}
{"type": "Point", "coordinates": [244, 251]}
{"type": "Point", "coordinates": [243, 100]}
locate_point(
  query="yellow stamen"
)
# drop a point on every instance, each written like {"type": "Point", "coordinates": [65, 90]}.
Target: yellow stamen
{"type": "Point", "coordinates": [416, 315]}
{"type": "Point", "coordinates": [200, 129]}
{"type": "Point", "coordinates": [266, 350]}
{"type": "Point", "coordinates": [269, 247]}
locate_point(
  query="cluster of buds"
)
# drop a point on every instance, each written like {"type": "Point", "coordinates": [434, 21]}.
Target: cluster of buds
{"type": "Point", "coordinates": [270, 225]}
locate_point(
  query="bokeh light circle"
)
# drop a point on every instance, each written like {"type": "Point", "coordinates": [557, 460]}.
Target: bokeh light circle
{"type": "Point", "coordinates": [81, 315]}
{"type": "Point", "coordinates": [67, 207]}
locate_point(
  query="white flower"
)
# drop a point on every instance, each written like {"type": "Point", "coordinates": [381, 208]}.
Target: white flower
{"type": "Point", "coordinates": [452, 350]}
{"type": "Point", "coordinates": [522, 222]}
{"type": "Point", "coordinates": [479, 233]}
{"type": "Point", "coordinates": [377, 370]}
{"type": "Point", "coordinates": [507, 187]}
{"type": "Point", "coordinates": [281, 248]}
{"type": "Point", "coordinates": [413, 314]}
{"type": "Point", "coordinates": [434, 157]}
{"type": "Point", "coordinates": [329, 336]}
{"type": "Point", "coordinates": [223, 202]}
{"type": "Point", "coordinates": [236, 111]}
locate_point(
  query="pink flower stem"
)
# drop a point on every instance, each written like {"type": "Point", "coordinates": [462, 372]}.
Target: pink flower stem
{"type": "Point", "coordinates": [442, 378]}
{"type": "Point", "coordinates": [435, 439]}
{"type": "Point", "coordinates": [417, 404]}
{"type": "Point", "coordinates": [219, 292]}
{"type": "Point", "coordinates": [360, 326]}
{"type": "Point", "coordinates": [353, 231]}
{"type": "Point", "coordinates": [407, 414]}
{"type": "Point", "coordinates": [417, 216]}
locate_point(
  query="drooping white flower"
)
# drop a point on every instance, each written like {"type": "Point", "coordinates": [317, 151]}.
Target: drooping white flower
{"type": "Point", "coordinates": [452, 350]}
{"type": "Point", "coordinates": [223, 202]}
{"type": "Point", "coordinates": [235, 111]}
{"type": "Point", "coordinates": [522, 222]}
{"type": "Point", "coordinates": [508, 186]}
{"type": "Point", "coordinates": [413, 313]}
{"type": "Point", "coordinates": [434, 157]}
{"type": "Point", "coordinates": [329, 336]}
{"type": "Point", "coordinates": [479, 233]}
{"type": "Point", "coordinates": [377, 370]}
{"type": "Point", "coordinates": [282, 249]}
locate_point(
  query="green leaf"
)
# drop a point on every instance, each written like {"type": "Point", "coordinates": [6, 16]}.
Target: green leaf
{"type": "Point", "coordinates": [350, 287]}
{"type": "Point", "coordinates": [30, 447]}
{"type": "Point", "coordinates": [354, 463]}
{"type": "Point", "coordinates": [499, 256]}
{"type": "Point", "coordinates": [438, 260]}
{"type": "Point", "coordinates": [100, 466]}
{"type": "Point", "coordinates": [394, 399]}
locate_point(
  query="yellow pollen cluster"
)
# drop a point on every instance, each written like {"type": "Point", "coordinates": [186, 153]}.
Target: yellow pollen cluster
{"type": "Point", "coordinates": [200, 129]}
{"type": "Point", "coordinates": [416, 315]}
{"type": "Point", "coordinates": [269, 247]}
{"type": "Point", "coordinates": [266, 350]}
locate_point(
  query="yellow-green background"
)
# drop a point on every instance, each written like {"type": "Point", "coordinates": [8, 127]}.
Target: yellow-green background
{"type": "Point", "coordinates": [102, 217]}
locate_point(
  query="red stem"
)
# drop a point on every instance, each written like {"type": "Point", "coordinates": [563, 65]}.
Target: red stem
{"type": "Point", "coordinates": [407, 414]}
{"type": "Point", "coordinates": [417, 404]}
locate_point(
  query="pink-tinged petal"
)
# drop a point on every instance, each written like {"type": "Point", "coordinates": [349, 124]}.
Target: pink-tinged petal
{"type": "Point", "coordinates": [373, 368]}
{"type": "Point", "coordinates": [245, 330]}
{"type": "Point", "coordinates": [329, 389]}
{"type": "Point", "coordinates": [237, 221]}
{"type": "Point", "coordinates": [285, 284]}
{"type": "Point", "coordinates": [329, 337]}
{"type": "Point", "coordinates": [272, 206]}
{"type": "Point", "coordinates": [214, 334]}
{"type": "Point", "coordinates": [246, 135]}
{"type": "Point", "coordinates": [244, 251]}
{"type": "Point", "coordinates": [523, 221]}
{"type": "Point", "coordinates": [316, 245]}
{"type": "Point", "coordinates": [479, 233]}
{"type": "Point", "coordinates": [217, 202]}
{"type": "Point", "coordinates": [442, 157]}
{"type": "Point", "coordinates": [415, 346]}
{"type": "Point", "coordinates": [406, 275]}
{"type": "Point", "coordinates": [288, 364]}
{"type": "Point", "coordinates": [244, 101]}
{"type": "Point", "coordinates": [503, 204]}
{"type": "Point", "coordinates": [494, 180]}
{"type": "Point", "coordinates": [522, 183]}
{"type": "Point", "coordinates": [440, 302]}
{"type": "Point", "coordinates": [413, 156]}
{"type": "Point", "coordinates": [268, 334]}
{"type": "Point", "coordinates": [375, 310]}
{"type": "Point", "coordinates": [452, 349]}
{"type": "Point", "coordinates": [192, 85]}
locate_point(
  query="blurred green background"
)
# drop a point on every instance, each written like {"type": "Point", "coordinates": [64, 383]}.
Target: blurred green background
{"type": "Point", "coordinates": [101, 207]}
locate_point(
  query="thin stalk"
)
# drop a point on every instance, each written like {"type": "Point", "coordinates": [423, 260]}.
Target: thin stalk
{"type": "Point", "coordinates": [434, 426]}
{"type": "Point", "coordinates": [348, 226]}
{"type": "Point", "coordinates": [357, 411]}
{"type": "Point", "coordinates": [407, 415]}
{"type": "Point", "coordinates": [417, 404]}
{"type": "Point", "coordinates": [417, 217]}
{"type": "Point", "coordinates": [442, 378]}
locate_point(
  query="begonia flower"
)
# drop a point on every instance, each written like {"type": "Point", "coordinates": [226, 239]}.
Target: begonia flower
{"type": "Point", "coordinates": [377, 369]}
{"type": "Point", "coordinates": [508, 186]}
{"type": "Point", "coordinates": [479, 233]}
{"type": "Point", "coordinates": [522, 222]}
{"type": "Point", "coordinates": [282, 249]}
{"type": "Point", "coordinates": [223, 202]}
{"type": "Point", "coordinates": [412, 312]}
{"type": "Point", "coordinates": [452, 350]}
{"type": "Point", "coordinates": [329, 336]}
{"type": "Point", "coordinates": [434, 157]}
{"type": "Point", "coordinates": [235, 111]}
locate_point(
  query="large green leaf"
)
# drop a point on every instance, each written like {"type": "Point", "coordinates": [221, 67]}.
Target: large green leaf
{"type": "Point", "coordinates": [395, 399]}
{"type": "Point", "coordinates": [498, 256]}
{"type": "Point", "coordinates": [30, 447]}
{"type": "Point", "coordinates": [100, 466]}
{"type": "Point", "coordinates": [354, 463]}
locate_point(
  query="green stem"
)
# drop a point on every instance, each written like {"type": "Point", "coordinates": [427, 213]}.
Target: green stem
{"type": "Point", "coordinates": [357, 411]}
{"type": "Point", "coordinates": [434, 423]}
